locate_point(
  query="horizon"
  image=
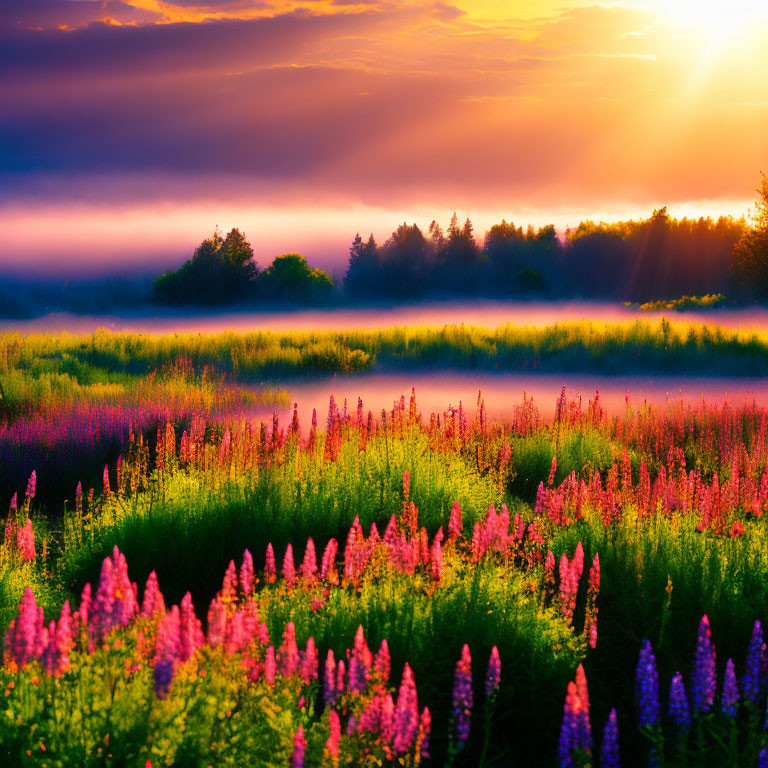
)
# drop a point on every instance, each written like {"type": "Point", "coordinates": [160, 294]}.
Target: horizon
{"type": "Point", "coordinates": [134, 127]}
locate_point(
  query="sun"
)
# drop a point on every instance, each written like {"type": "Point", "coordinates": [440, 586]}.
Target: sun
{"type": "Point", "coordinates": [718, 19]}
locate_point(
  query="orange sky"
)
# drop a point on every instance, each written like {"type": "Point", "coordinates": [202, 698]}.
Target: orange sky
{"type": "Point", "coordinates": [132, 127]}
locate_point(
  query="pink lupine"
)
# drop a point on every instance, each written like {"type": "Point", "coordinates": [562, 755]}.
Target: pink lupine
{"type": "Point", "coordinates": [25, 540]}
{"type": "Point", "coordinates": [436, 559]}
{"type": "Point", "coordinates": [166, 651]}
{"type": "Point", "coordinates": [190, 629]}
{"type": "Point", "coordinates": [270, 572]}
{"type": "Point", "coordinates": [334, 735]}
{"type": "Point", "coordinates": [229, 584]}
{"type": "Point", "coordinates": [360, 660]}
{"type": "Point", "coordinates": [299, 748]}
{"type": "Point", "coordinates": [390, 534]}
{"type": "Point", "coordinates": [377, 716]}
{"type": "Point", "coordinates": [406, 484]}
{"type": "Point", "coordinates": [308, 664]}
{"type": "Point", "coordinates": [382, 663]}
{"type": "Point", "coordinates": [328, 565]}
{"type": "Point", "coordinates": [84, 610]}
{"type": "Point", "coordinates": [270, 665]}
{"type": "Point", "coordinates": [21, 638]}
{"type": "Point", "coordinates": [153, 603]}
{"type": "Point", "coordinates": [289, 571]}
{"type": "Point", "coordinates": [105, 479]}
{"type": "Point", "coordinates": [246, 573]}
{"type": "Point", "coordinates": [289, 653]}
{"type": "Point", "coordinates": [493, 676]}
{"type": "Point", "coordinates": [422, 737]}
{"type": "Point", "coordinates": [79, 498]}
{"type": "Point", "coordinates": [478, 547]}
{"type": "Point", "coordinates": [341, 676]}
{"type": "Point", "coordinates": [308, 567]}
{"type": "Point", "coordinates": [462, 698]}
{"type": "Point", "coordinates": [31, 485]}
{"type": "Point", "coordinates": [405, 721]}
{"type": "Point", "coordinates": [234, 633]}
{"type": "Point", "coordinates": [65, 629]}
{"type": "Point", "coordinates": [217, 622]}
{"type": "Point", "coordinates": [455, 522]}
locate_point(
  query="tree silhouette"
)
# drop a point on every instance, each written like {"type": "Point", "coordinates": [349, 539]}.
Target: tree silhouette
{"type": "Point", "coordinates": [750, 255]}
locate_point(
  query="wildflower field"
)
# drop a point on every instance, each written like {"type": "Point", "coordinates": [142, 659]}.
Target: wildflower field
{"type": "Point", "coordinates": [183, 586]}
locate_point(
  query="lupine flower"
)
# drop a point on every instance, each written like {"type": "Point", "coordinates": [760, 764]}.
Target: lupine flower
{"type": "Point", "coordinates": [299, 747]}
{"type": "Point", "coordinates": [308, 567]}
{"type": "Point", "coordinates": [455, 523]}
{"type": "Point", "coordinates": [647, 687]}
{"type": "Point", "coordinates": [270, 665]}
{"type": "Point", "coordinates": [360, 660]}
{"type": "Point", "coordinates": [289, 572]}
{"type": "Point", "coordinates": [436, 559]}
{"type": "Point", "coordinates": [493, 676]}
{"type": "Point", "coordinates": [341, 673]}
{"type": "Point", "coordinates": [153, 603]}
{"type": "Point", "coordinates": [609, 751]}
{"type": "Point", "coordinates": [334, 737]}
{"type": "Point", "coordinates": [678, 704]}
{"type": "Point", "coordinates": [381, 662]}
{"type": "Point", "coordinates": [328, 567]}
{"type": "Point", "coordinates": [166, 651]}
{"type": "Point", "coordinates": [25, 540]}
{"type": "Point", "coordinates": [246, 573]}
{"type": "Point", "coordinates": [21, 639]}
{"type": "Point", "coordinates": [79, 498]}
{"type": "Point", "coordinates": [762, 758]}
{"type": "Point", "coordinates": [105, 480]}
{"type": "Point", "coordinates": [704, 682]}
{"type": "Point", "coordinates": [573, 732]}
{"type": "Point", "coordinates": [405, 722]}
{"type": "Point", "coordinates": [217, 622]}
{"type": "Point", "coordinates": [406, 484]}
{"type": "Point", "coordinates": [234, 633]}
{"type": "Point", "coordinates": [730, 691]}
{"type": "Point", "coordinates": [462, 698]}
{"type": "Point", "coordinates": [308, 668]}
{"type": "Point", "coordinates": [31, 485]}
{"type": "Point", "coordinates": [269, 565]}
{"type": "Point", "coordinates": [289, 653]}
{"type": "Point", "coordinates": [329, 680]}
{"type": "Point", "coordinates": [753, 683]}
{"type": "Point", "coordinates": [422, 737]}
{"type": "Point", "coordinates": [190, 629]}
{"type": "Point", "coordinates": [229, 583]}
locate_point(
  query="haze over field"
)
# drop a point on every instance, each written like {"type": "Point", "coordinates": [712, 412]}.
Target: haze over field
{"type": "Point", "coordinates": [132, 127]}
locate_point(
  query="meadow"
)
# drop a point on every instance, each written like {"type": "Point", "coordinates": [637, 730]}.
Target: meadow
{"type": "Point", "coordinates": [565, 587]}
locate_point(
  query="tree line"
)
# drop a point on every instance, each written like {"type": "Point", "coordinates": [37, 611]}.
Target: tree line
{"type": "Point", "coordinates": [639, 260]}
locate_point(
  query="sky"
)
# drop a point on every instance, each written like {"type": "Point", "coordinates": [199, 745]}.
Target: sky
{"type": "Point", "coordinates": [130, 129]}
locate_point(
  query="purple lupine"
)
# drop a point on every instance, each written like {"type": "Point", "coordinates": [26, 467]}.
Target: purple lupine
{"type": "Point", "coordinates": [762, 758]}
{"type": "Point", "coordinates": [647, 687]}
{"type": "Point", "coordinates": [730, 691]}
{"type": "Point", "coordinates": [493, 676]}
{"type": "Point", "coordinates": [704, 682]}
{"type": "Point", "coordinates": [405, 720]}
{"type": "Point", "coordinates": [360, 660]}
{"type": "Point", "coordinates": [678, 704]}
{"type": "Point", "coordinates": [462, 698]}
{"type": "Point", "coordinates": [299, 748]}
{"type": "Point", "coordinates": [609, 751]}
{"type": "Point", "coordinates": [329, 680]}
{"type": "Point", "coordinates": [753, 683]}
{"type": "Point", "coordinates": [425, 727]}
{"type": "Point", "coordinates": [571, 728]}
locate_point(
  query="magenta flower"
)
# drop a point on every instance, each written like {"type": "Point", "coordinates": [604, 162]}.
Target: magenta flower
{"type": "Point", "coordinates": [299, 747]}
{"type": "Point", "coordinates": [270, 666]}
{"type": "Point", "coordinates": [436, 565]}
{"type": "Point", "coordinates": [382, 663]}
{"type": "Point", "coordinates": [574, 730]}
{"type": "Point", "coordinates": [422, 739]}
{"type": "Point", "coordinates": [22, 636]}
{"type": "Point", "coordinates": [334, 736]}
{"type": "Point", "coordinates": [246, 574]}
{"type": "Point", "coordinates": [234, 633]}
{"type": "Point", "coordinates": [462, 698]}
{"type": "Point", "coordinates": [217, 622]}
{"type": "Point", "coordinates": [308, 567]}
{"type": "Point", "coordinates": [229, 583]}
{"type": "Point", "coordinates": [269, 566]}
{"type": "Point", "coordinates": [328, 565]}
{"type": "Point", "coordinates": [32, 485]}
{"type": "Point", "coordinates": [704, 682]}
{"type": "Point", "coordinates": [308, 668]}
{"type": "Point", "coordinates": [153, 603]}
{"type": "Point", "coordinates": [405, 720]}
{"type": "Point", "coordinates": [360, 660]}
{"type": "Point", "coordinates": [455, 522]}
{"type": "Point", "coordinates": [190, 629]}
{"type": "Point", "coordinates": [289, 571]}
{"type": "Point", "coordinates": [329, 680]}
{"type": "Point", "coordinates": [289, 653]}
{"type": "Point", "coordinates": [493, 676]}
{"type": "Point", "coordinates": [105, 480]}
{"type": "Point", "coordinates": [25, 540]}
